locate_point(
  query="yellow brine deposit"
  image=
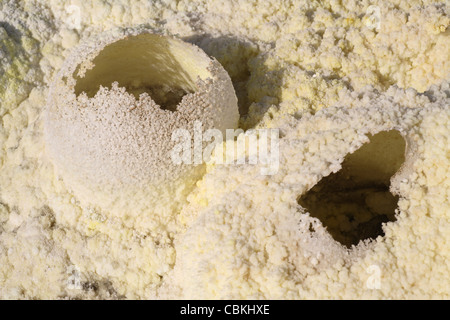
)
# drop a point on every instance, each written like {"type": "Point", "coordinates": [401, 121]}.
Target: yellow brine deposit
{"type": "Point", "coordinates": [93, 207]}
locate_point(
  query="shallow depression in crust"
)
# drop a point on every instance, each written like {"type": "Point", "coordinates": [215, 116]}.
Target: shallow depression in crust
{"type": "Point", "coordinates": [354, 202]}
{"type": "Point", "coordinates": [146, 63]}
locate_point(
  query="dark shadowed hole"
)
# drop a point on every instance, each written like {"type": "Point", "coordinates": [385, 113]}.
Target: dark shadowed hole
{"type": "Point", "coordinates": [354, 203]}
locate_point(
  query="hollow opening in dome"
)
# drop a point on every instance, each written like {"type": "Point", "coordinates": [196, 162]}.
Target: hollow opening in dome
{"type": "Point", "coordinates": [355, 202]}
{"type": "Point", "coordinates": [166, 69]}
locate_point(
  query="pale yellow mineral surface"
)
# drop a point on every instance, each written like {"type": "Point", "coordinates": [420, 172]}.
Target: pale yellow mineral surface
{"type": "Point", "coordinates": [357, 208]}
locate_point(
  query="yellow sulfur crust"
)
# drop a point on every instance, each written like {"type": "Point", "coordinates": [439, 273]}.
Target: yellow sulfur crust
{"type": "Point", "coordinates": [331, 75]}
